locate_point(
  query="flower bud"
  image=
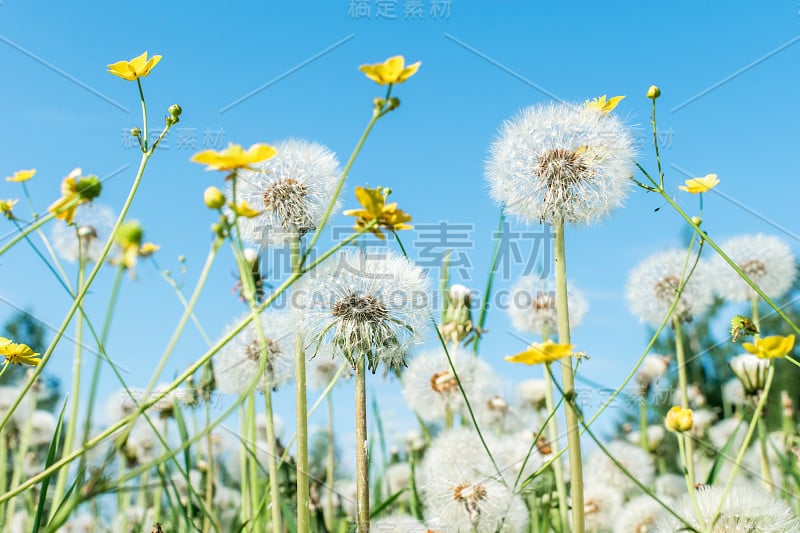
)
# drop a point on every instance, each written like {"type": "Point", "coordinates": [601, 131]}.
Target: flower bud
{"type": "Point", "coordinates": [251, 256]}
{"type": "Point", "coordinates": [213, 198]}
{"type": "Point", "coordinates": [130, 234]}
{"type": "Point", "coordinates": [136, 132]}
{"type": "Point", "coordinates": [679, 419]}
{"type": "Point", "coordinates": [751, 371]}
{"type": "Point", "coordinates": [175, 110]}
{"type": "Point", "coordinates": [697, 221]}
{"type": "Point", "coordinates": [394, 103]}
{"type": "Point", "coordinates": [89, 188]}
{"type": "Point", "coordinates": [218, 230]}
{"type": "Point", "coordinates": [653, 92]}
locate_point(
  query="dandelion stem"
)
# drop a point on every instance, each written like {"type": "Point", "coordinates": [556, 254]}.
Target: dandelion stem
{"type": "Point", "coordinates": [362, 461]}
{"type": "Point", "coordinates": [39, 222]}
{"type": "Point", "coordinates": [683, 387]}
{"type": "Point", "coordinates": [568, 380]}
{"type": "Point", "coordinates": [330, 468]}
{"type": "Point", "coordinates": [552, 430]}
{"type": "Point", "coordinates": [301, 409]}
{"type": "Point", "coordinates": [498, 238]}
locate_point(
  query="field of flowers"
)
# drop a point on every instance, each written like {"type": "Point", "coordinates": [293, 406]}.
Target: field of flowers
{"type": "Point", "coordinates": [708, 444]}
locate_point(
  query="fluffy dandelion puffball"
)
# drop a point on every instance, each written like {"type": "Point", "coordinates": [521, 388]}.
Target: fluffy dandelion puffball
{"type": "Point", "coordinates": [766, 259]}
{"type": "Point", "coordinates": [746, 508]}
{"type": "Point", "coordinates": [561, 160]}
{"type": "Point", "coordinates": [291, 192]}
{"type": "Point", "coordinates": [601, 469]}
{"type": "Point", "coordinates": [364, 304]}
{"type": "Point", "coordinates": [601, 504]}
{"type": "Point", "coordinates": [93, 225]}
{"type": "Point", "coordinates": [241, 360]}
{"type": "Point", "coordinates": [533, 306]}
{"type": "Point", "coordinates": [638, 515]}
{"type": "Point", "coordinates": [653, 285]}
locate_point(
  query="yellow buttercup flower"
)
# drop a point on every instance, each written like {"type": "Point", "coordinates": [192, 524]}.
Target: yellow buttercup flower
{"type": "Point", "coordinates": [393, 70]}
{"type": "Point", "coordinates": [602, 105]}
{"type": "Point", "coordinates": [6, 207]}
{"type": "Point", "coordinates": [679, 419]}
{"type": "Point", "coordinates": [136, 68]}
{"type": "Point", "coordinates": [75, 190]}
{"type": "Point", "coordinates": [234, 157]}
{"type": "Point", "coordinates": [772, 347]}
{"type": "Point", "coordinates": [243, 210]}
{"type": "Point", "coordinates": [21, 175]}
{"type": "Point", "coordinates": [18, 353]}
{"type": "Point", "coordinates": [388, 216]}
{"type": "Point", "coordinates": [538, 353]}
{"type": "Point", "coordinates": [698, 185]}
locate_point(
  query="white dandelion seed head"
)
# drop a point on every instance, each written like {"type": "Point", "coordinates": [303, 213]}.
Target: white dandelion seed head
{"type": "Point", "coordinates": [346, 492]}
{"type": "Point", "coordinates": [181, 487]}
{"type": "Point", "coordinates": [492, 406]}
{"type": "Point", "coordinates": [510, 452]}
{"type": "Point", "coordinates": [84, 523]}
{"type": "Point", "coordinates": [695, 396]}
{"type": "Point", "coordinates": [653, 367]}
{"type": "Point", "coordinates": [561, 160]}
{"type": "Point", "coordinates": [144, 445]}
{"type": "Point", "coordinates": [233, 461]}
{"type": "Point", "coordinates": [372, 305]}
{"type": "Point", "coordinates": [722, 431]}
{"type": "Point", "coordinates": [653, 284]}
{"type": "Point", "coordinates": [701, 420]}
{"type": "Point", "coordinates": [398, 477]}
{"type": "Point", "coordinates": [134, 518]}
{"type": "Point", "coordinates": [766, 259]}
{"type": "Point", "coordinates": [414, 441]}
{"type": "Point", "coordinates": [43, 427]}
{"type": "Point", "coordinates": [322, 369]}
{"type": "Point", "coordinates": [291, 191]}
{"type": "Point", "coordinates": [751, 372]}
{"type": "Point", "coordinates": [533, 306]}
{"type": "Point", "coordinates": [93, 225]}
{"type": "Point", "coordinates": [261, 426]}
{"type": "Point", "coordinates": [532, 392]}
{"type": "Point", "coordinates": [638, 515]}
{"type": "Point", "coordinates": [238, 362]}
{"type": "Point", "coordinates": [9, 395]}
{"type": "Point", "coordinates": [601, 504]}
{"type": "Point", "coordinates": [733, 392]}
{"type": "Point", "coordinates": [655, 436]}
{"type": "Point", "coordinates": [746, 508]}
{"type": "Point", "coordinates": [430, 387]}
{"type": "Point", "coordinates": [670, 486]}
{"type": "Point", "coordinates": [601, 469]}
{"type": "Point", "coordinates": [397, 524]}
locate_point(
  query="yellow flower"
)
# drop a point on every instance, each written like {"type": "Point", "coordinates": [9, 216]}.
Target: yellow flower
{"type": "Point", "coordinates": [244, 210]}
{"type": "Point", "coordinates": [542, 353]}
{"type": "Point", "coordinates": [679, 419]}
{"type": "Point", "coordinates": [6, 207]}
{"type": "Point", "coordinates": [17, 353]}
{"type": "Point", "coordinates": [602, 105]}
{"type": "Point", "coordinates": [234, 156]}
{"type": "Point", "coordinates": [771, 347]}
{"type": "Point", "coordinates": [375, 208]}
{"type": "Point", "coordinates": [21, 175]}
{"type": "Point", "coordinates": [138, 67]}
{"type": "Point", "coordinates": [75, 190]}
{"type": "Point", "coordinates": [393, 70]}
{"type": "Point", "coordinates": [697, 185]}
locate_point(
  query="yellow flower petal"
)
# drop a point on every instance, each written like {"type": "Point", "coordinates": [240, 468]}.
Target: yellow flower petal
{"type": "Point", "coordinates": [698, 185]}
{"type": "Point", "coordinates": [138, 67]}
{"type": "Point", "coordinates": [393, 70]}
{"type": "Point", "coordinates": [244, 210]}
{"type": "Point", "coordinates": [539, 353]}
{"type": "Point", "coordinates": [6, 208]}
{"type": "Point", "coordinates": [17, 353]}
{"type": "Point", "coordinates": [604, 106]}
{"type": "Point", "coordinates": [234, 157]}
{"type": "Point", "coordinates": [21, 175]}
{"type": "Point", "coordinates": [679, 420]}
{"type": "Point", "coordinates": [387, 216]}
{"type": "Point", "coordinates": [773, 347]}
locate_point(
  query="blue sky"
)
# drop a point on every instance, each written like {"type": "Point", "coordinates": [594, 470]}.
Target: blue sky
{"type": "Point", "coordinates": [728, 74]}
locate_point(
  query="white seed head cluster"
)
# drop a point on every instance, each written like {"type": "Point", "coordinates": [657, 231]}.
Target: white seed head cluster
{"type": "Point", "coordinates": [653, 285]}
{"type": "Point", "coordinates": [291, 191]}
{"type": "Point", "coordinates": [372, 305]}
{"type": "Point", "coordinates": [639, 464]}
{"type": "Point", "coordinates": [561, 161]}
{"type": "Point", "coordinates": [241, 360]}
{"type": "Point", "coordinates": [746, 508]}
{"type": "Point", "coordinates": [93, 225]}
{"type": "Point", "coordinates": [766, 259]}
{"type": "Point", "coordinates": [638, 515]}
{"type": "Point", "coordinates": [601, 504]}
{"type": "Point", "coordinates": [533, 306]}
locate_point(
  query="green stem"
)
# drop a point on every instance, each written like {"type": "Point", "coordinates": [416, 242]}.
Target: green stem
{"type": "Point", "coordinates": [145, 131]}
{"type": "Point", "coordinates": [39, 222]}
{"type": "Point", "coordinates": [766, 474]}
{"type": "Point", "coordinates": [568, 380]}
{"type": "Point", "coordinates": [301, 407]}
{"type": "Point", "coordinates": [490, 280]}
{"type": "Point", "coordinates": [558, 470]}
{"type": "Point", "coordinates": [685, 459]}
{"type": "Point", "coordinates": [362, 461]}
{"type": "Point", "coordinates": [762, 401]}
{"type": "Point", "coordinates": [643, 425]}
{"type": "Point", "coordinates": [683, 387]}
{"type": "Point", "coordinates": [330, 468]}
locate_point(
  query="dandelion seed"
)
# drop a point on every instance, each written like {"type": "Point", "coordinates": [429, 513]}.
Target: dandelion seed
{"type": "Point", "coordinates": [93, 228]}
{"type": "Point", "coordinates": [639, 515]}
{"type": "Point", "coordinates": [291, 192]}
{"type": "Point", "coordinates": [364, 305]}
{"type": "Point", "coordinates": [601, 504]}
{"type": "Point", "coordinates": [767, 260]}
{"type": "Point", "coordinates": [533, 306]}
{"type": "Point", "coordinates": [653, 285]}
{"type": "Point", "coordinates": [745, 509]}
{"type": "Point", "coordinates": [561, 161]}
{"type": "Point", "coordinates": [638, 463]}
{"type": "Point", "coordinates": [240, 361]}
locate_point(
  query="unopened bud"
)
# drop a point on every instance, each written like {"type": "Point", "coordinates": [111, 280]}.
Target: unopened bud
{"type": "Point", "coordinates": [679, 419]}
{"type": "Point", "coordinates": [130, 234]}
{"type": "Point", "coordinates": [175, 110]}
{"type": "Point", "coordinates": [251, 256]}
{"type": "Point", "coordinates": [653, 92]}
{"type": "Point", "coordinates": [136, 132]}
{"type": "Point", "coordinates": [213, 198]}
{"type": "Point", "coordinates": [89, 188]}
{"type": "Point", "coordinates": [697, 220]}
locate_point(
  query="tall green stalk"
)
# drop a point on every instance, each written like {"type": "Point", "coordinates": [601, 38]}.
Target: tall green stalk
{"type": "Point", "coordinates": [362, 460]}
{"type": "Point", "coordinates": [683, 387]}
{"type": "Point", "coordinates": [552, 435]}
{"type": "Point", "coordinates": [568, 380]}
{"type": "Point", "coordinates": [301, 409]}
